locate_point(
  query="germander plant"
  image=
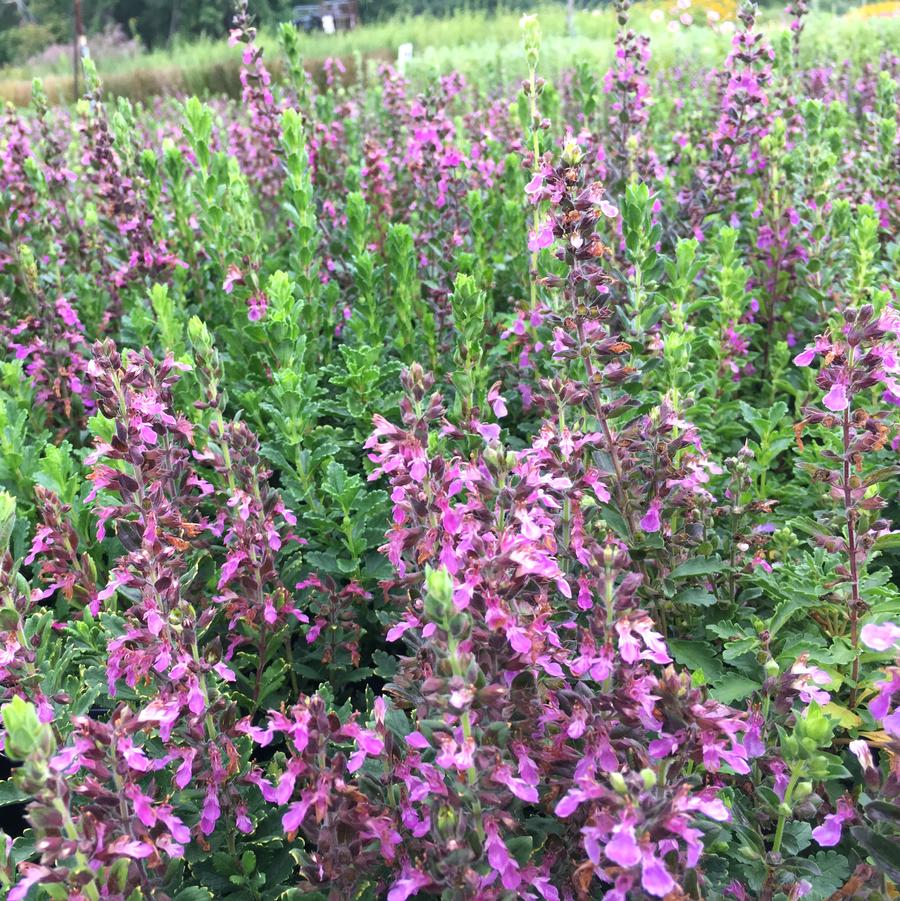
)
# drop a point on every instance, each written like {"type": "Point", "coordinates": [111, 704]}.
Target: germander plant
{"type": "Point", "coordinates": [398, 490]}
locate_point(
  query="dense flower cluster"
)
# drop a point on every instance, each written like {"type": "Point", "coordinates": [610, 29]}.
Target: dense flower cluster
{"type": "Point", "coordinates": [452, 488]}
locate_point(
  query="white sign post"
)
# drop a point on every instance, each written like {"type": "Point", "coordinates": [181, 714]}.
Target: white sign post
{"type": "Point", "coordinates": [404, 55]}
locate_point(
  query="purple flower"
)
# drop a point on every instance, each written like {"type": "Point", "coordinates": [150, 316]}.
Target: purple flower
{"type": "Point", "coordinates": [543, 237]}
{"type": "Point", "coordinates": [410, 881]}
{"type": "Point", "coordinates": [650, 522]}
{"type": "Point", "coordinates": [836, 399]}
{"type": "Point", "coordinates": [623, 848]}
{"type": "Point", "coordinates": [881, 637]}
{"type": "Point", "coordinates": [210, 813]}
{"type": "Point", "coordinates": [829, 833]}
{"type": "Point", "coordinates": [655, 878]}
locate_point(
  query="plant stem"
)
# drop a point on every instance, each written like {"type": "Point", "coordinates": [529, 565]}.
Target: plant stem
{"type": "Point", "coordinates": [782, 818]}
{"type": "Point", "coordinates": [466, 723]}
{"type": "Point", "coordinates": [855, 600]}
{"type": "Point", "coordinates": [604, 425]}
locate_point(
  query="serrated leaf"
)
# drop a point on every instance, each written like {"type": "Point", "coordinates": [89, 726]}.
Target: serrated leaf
{"type": "Point", "coordinates": [698, 566]}
{"type": "Point", "coordinates": [797, 837]}
{"type": "Point", "coordinates": [695, 597]}
{"type": "Point", "coordinates": [10, 794]}
{"type": "Point", "coordinates": [385, 664]}
{"type": "Point", "coordinates": [193, 893]}
{"type": "Point", "coordinates": [833, 872]}
{"type": "Point", "coordinates": [697, 655]}
{"type": "Point", "coordinates": [734, 688]}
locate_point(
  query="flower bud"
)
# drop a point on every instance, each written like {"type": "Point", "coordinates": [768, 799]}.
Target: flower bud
{"type": "Point", "coordinates": [649, 778]}
{"type": "Point", "coordinates": [572, 154]}
{"type": "Point", "coordinates": [7, 520]}
{"type": "Point", "coordinates": [26, 736]}
{"type": "Point", "coordinates": [802, 790]}
{"type": "Point", "coordinates": [439, 596]}
{"type": "Point", "coordinates": [818, 767]}
{"type": "Point", "coordinates": [617, 781]}
{"type": "Point", "coordinates": [532, 39]}
{"type": "Point", "coordinates": [446, 821]}
{"type": "Point", "coordinates": [492, 456]}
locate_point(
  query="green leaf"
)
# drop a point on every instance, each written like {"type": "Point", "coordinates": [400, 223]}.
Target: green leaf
{"type": "Point", "coordinates": [886, 541]}
{"type": "Point", "coordinates": [10, 794]}
{"type": "Point", "coordinates": [884, 851]}
{"type": "Point", "coordinates": [697, 655]}
{"type": "Point", "coordinates": [23, 846]}
{"type": "Point", "coordinates": [735, 649]}
{"type": "Point", "coordinates": [695, 597]}
{"type": "Point", "coordinates": [385, 664]}
{"type": "Point", "coordinates": [884, 812]}
{"type": "Point", "coordinates": [699, 566]}
{"type": "Point", "coordinates": [797, 837]}
{"type": "Point", "coordinates": [520, 846]}
{"type": "Point", "coordinates": [615, 520]}
{"type": "Point", "coordinates": [224, 864]}
{"type": "Point", "coordinates": [193, 893]}
{"type": "Point", "coordinates": [734, 688]}
{"type": "Point", "coordinates": [832, 872]}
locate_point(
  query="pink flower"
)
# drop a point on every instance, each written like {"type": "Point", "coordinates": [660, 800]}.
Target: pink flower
{"type": "Point", "coordinates": [881, 637]}
{"type": "Point", "coordinates": [209, 816]}
{"type": "Point", "coordinates": [396, 631]}
{"type": "Point", "coordinates": [296, 813]}
{"type": "Point", "coordinates": [500, 859]}
{"type": "Point", "coordinates": [538, 240]}
{"type": "Point", "coordinates": [829, 833]}
{"type": "Point", "coordinates": [863, 754]}
{"type": "Point", "coordinates": [368, 744]}
{"type": "Point", "coordinates": [650, 521]}
{"type": "Point", "coordinates": [232, 278]}
{"type": "Point", "coordinates": [623, 848]}
{"type": "Point", "coordinates": [417, 740]}
{"type": "Point", "coordinates": [808, 677]}
{"type": "Point", "coordinates": [495, 399]}
{"type": "Point", "coordinates": [655, 878]}
{"type": "Point", "coordinates": [408, 884]}
{"type": "Point", "coordinates": [836, 399]}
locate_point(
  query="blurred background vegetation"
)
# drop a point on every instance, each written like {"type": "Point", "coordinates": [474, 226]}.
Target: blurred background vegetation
{"type": "Point", "coordinates": [144, 48]}
{"type": "Point", "coordinates": [29, 27]}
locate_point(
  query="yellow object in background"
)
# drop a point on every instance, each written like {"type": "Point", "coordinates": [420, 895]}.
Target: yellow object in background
{"type": "Point", "coordinates": [885, 8]}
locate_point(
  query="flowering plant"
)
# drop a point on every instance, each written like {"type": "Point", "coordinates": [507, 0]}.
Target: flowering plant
{"type": "Point", "coordinates": [410, 489]}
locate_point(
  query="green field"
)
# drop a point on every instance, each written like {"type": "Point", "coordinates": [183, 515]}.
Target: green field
{"type": "Point", "coordinates": [483, 47]}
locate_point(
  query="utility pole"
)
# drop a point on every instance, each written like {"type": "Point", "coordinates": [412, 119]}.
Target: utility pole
{"type": "Point", "coordinates": [79, 44]}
